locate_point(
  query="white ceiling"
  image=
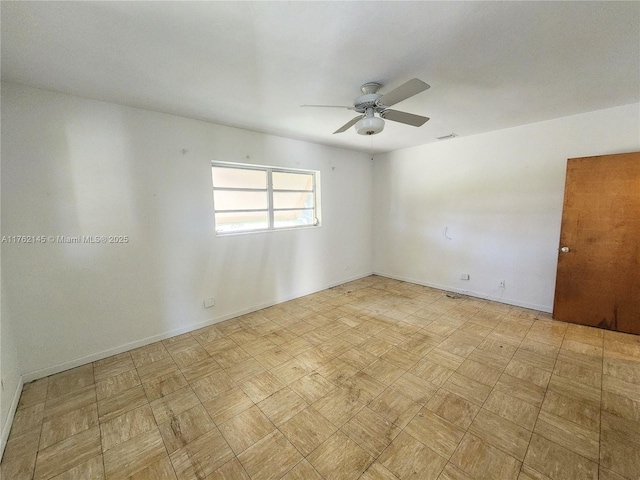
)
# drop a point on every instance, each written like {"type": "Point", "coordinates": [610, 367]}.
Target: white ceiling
{"type": "Point", "coordinates": [491, 65]}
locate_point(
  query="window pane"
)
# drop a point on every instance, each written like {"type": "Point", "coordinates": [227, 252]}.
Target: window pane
{"type": "Point", "coordinates": [229, 200]}
{"type": "Point", "coordinates": [241, 221]}
{"type": "Point", "coordinates": [292, 181]}
{"type": "Point", "coordinates": [238, 178]}
{"type": "Point", "coordinates": [293, 200]}
{"type": "Point", "coordinates": [293, 218]}
{"type": "Point", "coordinates": [278, 197]}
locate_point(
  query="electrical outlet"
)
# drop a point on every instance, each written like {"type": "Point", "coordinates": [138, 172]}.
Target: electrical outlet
{"type": "Point", "coordinates": [209, 302]}
{"type": "Point", "coordinates": [503, 284]}
{"type": "Point", "coordinates": [464, 276]}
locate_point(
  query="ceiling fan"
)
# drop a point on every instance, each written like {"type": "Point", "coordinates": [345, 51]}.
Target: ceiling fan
{"type": "Point", "coordinates": [371, 102]}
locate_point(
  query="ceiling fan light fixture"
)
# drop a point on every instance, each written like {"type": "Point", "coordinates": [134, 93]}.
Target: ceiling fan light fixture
{"type": "Point", "coordinates": [369, 125]}
{"type": "Point", "coordinates": [371, 102]}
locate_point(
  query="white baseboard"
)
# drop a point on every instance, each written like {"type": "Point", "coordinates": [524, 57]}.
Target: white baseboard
{"type": "Point", "coordinates": [6, 428]}
{"type": "Point", "coordinates": [485, 296]}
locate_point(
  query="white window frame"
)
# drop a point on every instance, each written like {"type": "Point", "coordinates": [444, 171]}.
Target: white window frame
{"type": "Point", "coordinates": [269, 170]}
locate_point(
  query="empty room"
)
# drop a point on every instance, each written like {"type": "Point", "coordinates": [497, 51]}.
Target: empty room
{"type": "Point", "coordinates": [330, 240]}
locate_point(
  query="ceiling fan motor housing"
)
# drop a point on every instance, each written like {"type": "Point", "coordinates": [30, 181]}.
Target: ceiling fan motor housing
{"type": "Point", "coordinates": [363, 102]}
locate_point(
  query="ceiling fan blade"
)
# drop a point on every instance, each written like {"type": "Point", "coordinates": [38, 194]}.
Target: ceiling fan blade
{"type": "Point", "coordinates": [348, 125]}
{"type": "Point", "coordinates": [329, 106]}
{"type": "Point", "coordinates": [404, 91]}
{"type": "Point", "coordinates": [404, 117]}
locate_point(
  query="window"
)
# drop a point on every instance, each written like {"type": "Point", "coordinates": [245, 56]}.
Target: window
{"type": "Point", "coordinates": [248, 198]}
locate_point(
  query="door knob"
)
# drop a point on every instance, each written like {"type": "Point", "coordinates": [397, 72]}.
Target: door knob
{"type": "Point", "coordinates": [564, 249]}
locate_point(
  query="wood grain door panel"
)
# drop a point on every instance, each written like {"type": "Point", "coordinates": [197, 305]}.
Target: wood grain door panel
{"type": "Point", "coordinates": [598, 279]}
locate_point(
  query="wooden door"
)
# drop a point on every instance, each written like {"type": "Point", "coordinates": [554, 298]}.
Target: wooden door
{"type": "Point", "coordinates": [598, 278]}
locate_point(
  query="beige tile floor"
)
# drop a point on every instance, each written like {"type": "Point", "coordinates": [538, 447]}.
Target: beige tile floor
{"type": "Point", "coordinates": [373, 380]}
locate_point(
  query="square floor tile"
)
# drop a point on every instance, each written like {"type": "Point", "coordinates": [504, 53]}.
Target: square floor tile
{"type": "Point", "coordinates": [483, 461]}
{"type": "Point", "coordinates": [395, 407]}
{"type": "Point", "coordinates": [27, 419]}
{"type": "Point", "coordinates": [479, 372]}
{"type": "Point", "coordinates": [116, 405]}
{"type": "Point", "coordinates": [92, 469]}
{"type": "Point", "coordinates": [201, 457]}
{"type": "Point", "coordinates": [338, 406]}
{"type": "Point", "coordinates": [377, 471]}
{"type": "Point", "coordinates": [227, 405]}
{"type": "Point", "coordinates": [525, 371]}
{"type": "Point", "coordinates": [68, 453]}
{"type": "Point", "coordinates": [453, 408]}
{"type": "Point", "coordinates": [502, 433]}
{"type": "Point", "coordinates": [302, 471]}
{"type": "Point", "coordinates": [371, 431]}
{"type": "Point", "coordinates": [307, 430]}
{"type": "Point", "coordinates": [312, 387]}
{"type": "Point", "coordinates": [620, 445]}
{"type": "Point", "coordinates": [270, 458]}
{"type": "Point", "coordinates": [71, 401]}
{"type": "Point", "coordinates": [435, 432]}
{"type": "Point", "coordinates": [185, 427]}
{"type": "Point", "coordinates": [521, 389]}
{"type": "Point", "coordinates": [407, 458]}
{"type": "Point", "coordinates": [70, 380]}
{"type": "Point", "coordinates": [19, 458]}
{"type": "Point", "coordinates": [273, 358]}
{"type": "Point", "coordinates": [512, 409]}
{"type": "Point", "coordinates": [33, 393]}
{"type": "Point", "coordinates": [337, 371]}
{"type": "Point", "coordinates": [126, 426]}
{"type": "Point", "coordinates": [385, 372]}
{"type": "Point", "coordinates": [431, 371]}
{"type": "Point", "coordinates": [557, 462]}
{"type": "Point", "coordinates": [620, 406]}
{"type": "Point", "coordinates": [291, 371]}
{"type": "Point", "coordinates": [245, 370]}
{"type": "Point", "coordinates": [149, 354]}
{"type": "Point", "coordinates": [340, 457]}
{"type": "Point", "coordinates": [232, 470]}
{"type": "Point", "coordinates": [246, 428]}
{"type": "Point", "coordinates": [175, 403]}
{"type": "Point", "coordinates": [416, 388]}
{"type": "Point", "coordinates": [261, 386]}
{"type": "Point", "coordinates": [189, 356]}
{"type": "Point", "coordinates": [115, 384]}
{"type": "Point", "coordinates": [282, 405]}
{"type": "Point", "coordinates": [363, 387]}
{"type": "Point", "coordinates": [198, 370]}
{"type": "Point", "coordinates": [164, 385]}
{"type": "Point", "coordinates": [212, 385]}
{"type": "Point", "coordinates": [135, 454]}
{"type": "Point", "coordinates": [358, 357]}
{"type": "Point", "coordinates": [574, 388]}
{"type": "Point", "coordinates": [467, 388]}
{"type": "Point", "coordinates": [112, 366]}
{"type": "Point", "coordinates": [572, 436]}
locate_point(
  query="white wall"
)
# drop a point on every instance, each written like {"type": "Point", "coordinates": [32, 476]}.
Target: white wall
{"type": "Point", "coordinates": [72, 166]}
{"type": "Point", "coordinates": [10, 374]}
{"type": "Point", "coordinates": [488, 205]}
